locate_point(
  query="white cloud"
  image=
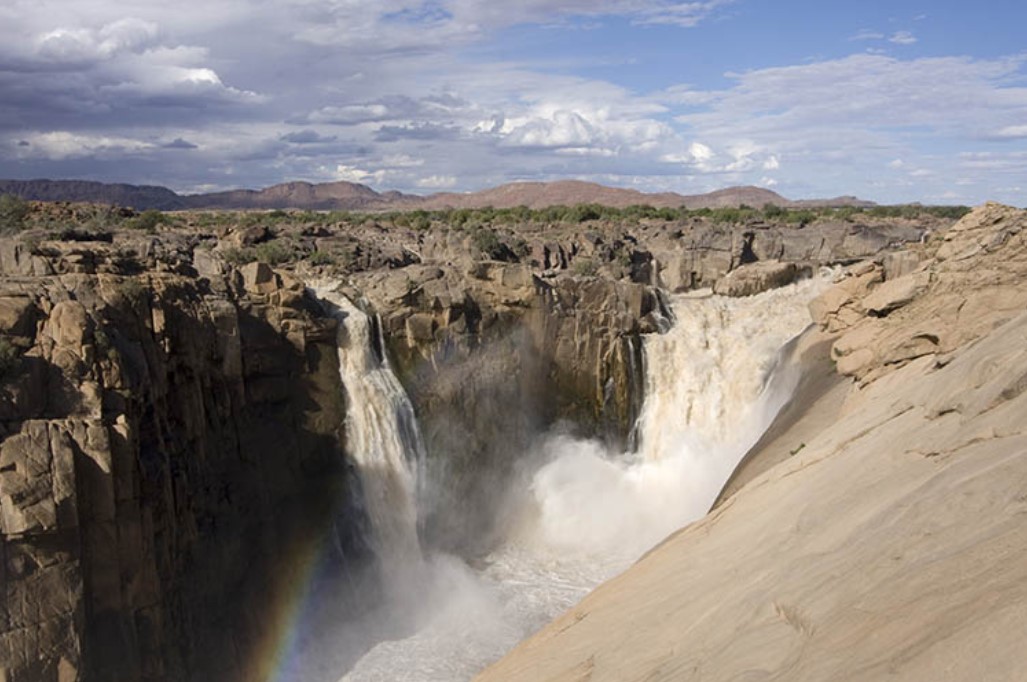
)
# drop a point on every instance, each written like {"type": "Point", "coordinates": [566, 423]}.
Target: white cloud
{"type": "Point", "coordinates": [401, 161]}
{"type": "Point", "coordinates": [867, 34]}
{"type": "Point", "coordinates": [79, 44]}
{"type": "Point", "coordinates": [700, 151]}
{"type": "Point", "coordinates": [359, 175]}
{"type": "Point", "coordinates": [559, 129]}
{"type": "Point", "coordinates": [902, 38]}
{"type": "Point", "coordinates": [856, 101]}
{"type": "Point", "coordinates": [1012, 132]}
{"type": "Point", "coordinates": [387, 93]}
{"type": "Point", "coordinates": [437, 182]}
{"type": "Point", "coordinates": [837, 120]}
{"type": "Point", "coordinates": [67, 145]}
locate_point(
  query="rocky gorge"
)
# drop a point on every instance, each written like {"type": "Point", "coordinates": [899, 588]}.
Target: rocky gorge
{"type": "Point", "coordinates": [173, 420]}
{"type": "Point", "coordinates": [877, 528]}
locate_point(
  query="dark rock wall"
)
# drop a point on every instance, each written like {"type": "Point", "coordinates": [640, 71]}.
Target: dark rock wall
{"type": "Point", "coordinates": [492, 357]}
{"type": "Point", "coordinates": [170, 445]}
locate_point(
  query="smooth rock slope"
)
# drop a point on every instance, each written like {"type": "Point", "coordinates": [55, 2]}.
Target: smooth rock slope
{"type": "Point", "coordinates": [890, 541]}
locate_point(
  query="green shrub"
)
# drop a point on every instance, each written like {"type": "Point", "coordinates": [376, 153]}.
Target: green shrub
{"type": "Point", "coordinates": [801, 217]}
{"type": "Point", "coordinates": [321, 258]}
{"type": "Point", "coordinates": [275, 252]}
{"type": "Point", "coordinates": [13, 211]}
{"type": "Point", "coordinates": [584, 267]}
{"type": "Point", "coordinates": [239, 256]}
{"type": "Point", "coordinates": [953, 212]}
{"type": "Point", "coordinates": [487, 241]}
{"type": "Point", "coordinates": [148, 220]}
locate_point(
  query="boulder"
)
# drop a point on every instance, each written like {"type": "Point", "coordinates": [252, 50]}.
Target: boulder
{"type": "Point", "coordinates": [757, 277]}
{"type": "Point", "coordinates": [259, 278]}
{"type": "Point", "coordinates": [895, 293]}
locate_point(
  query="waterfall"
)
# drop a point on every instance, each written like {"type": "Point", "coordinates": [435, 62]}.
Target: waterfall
{"type": "Point", "coordinates": [713, 384]}
{"type": "Point", "coordinates": [384, 440]}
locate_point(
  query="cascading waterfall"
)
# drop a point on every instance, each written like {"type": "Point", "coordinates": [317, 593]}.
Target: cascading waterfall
{"type": "Point", "coordinates": [384, 440]}
{"type": "Point", "coordinates": [713, 384]}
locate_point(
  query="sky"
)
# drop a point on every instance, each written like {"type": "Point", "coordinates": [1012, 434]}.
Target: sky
{"type": "Point", "coordinates": [906, 100]}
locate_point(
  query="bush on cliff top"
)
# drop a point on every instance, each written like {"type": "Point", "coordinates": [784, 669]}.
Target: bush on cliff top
{"type": "Point", "coordinates": [13, 210]}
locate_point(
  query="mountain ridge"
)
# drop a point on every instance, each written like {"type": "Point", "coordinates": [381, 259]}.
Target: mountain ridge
{"type": "Point", "coordinates": [342, 195]}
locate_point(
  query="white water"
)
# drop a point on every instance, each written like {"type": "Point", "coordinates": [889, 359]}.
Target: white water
{"type": "Point", "coordinates": [714, 383]}
{"type": "Point", "coordinates": [384, 439]}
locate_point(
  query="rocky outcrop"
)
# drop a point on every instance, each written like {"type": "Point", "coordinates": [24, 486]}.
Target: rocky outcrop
{"type": "Point", "coordinates": [169, 442]}
{"type": "Point", "coordinates": [886, 537]}
{"type": "Point", "coordinates": [967, 281]}
{"type": "Point", "coordinates": [754, 278]}
{"type": "Point", "coordinates": [493, 355]}
{"type": "Point", "coordinates": [701, 257]}
{"type": "Point", "coordinates": [171, 414]}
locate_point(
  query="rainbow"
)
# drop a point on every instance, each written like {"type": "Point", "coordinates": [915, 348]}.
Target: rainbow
{"type": "Point", "coordinates": [276, 655]}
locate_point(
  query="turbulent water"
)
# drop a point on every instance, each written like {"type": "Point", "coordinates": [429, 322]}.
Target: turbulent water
{"type": "Point", "coordinates": [384, 439]}
{"type": "Point", "coordinates": [714, 383]}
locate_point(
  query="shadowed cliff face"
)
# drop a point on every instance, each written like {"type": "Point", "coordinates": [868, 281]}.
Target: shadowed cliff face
{"type": "Point", "coordinates": [170, 446]}
{"type": "Point", "coordinates": [494, 356]}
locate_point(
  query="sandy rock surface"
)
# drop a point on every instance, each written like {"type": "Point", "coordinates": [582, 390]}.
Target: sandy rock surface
{"type": "Point", "coordinates": [891, 544]}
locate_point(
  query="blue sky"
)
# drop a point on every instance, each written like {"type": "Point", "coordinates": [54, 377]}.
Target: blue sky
{"type": "Point", "coordinates": [897, 101]}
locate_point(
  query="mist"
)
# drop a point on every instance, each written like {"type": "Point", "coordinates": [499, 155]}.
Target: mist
{"type": "Point", "coordinates": [581, 512]}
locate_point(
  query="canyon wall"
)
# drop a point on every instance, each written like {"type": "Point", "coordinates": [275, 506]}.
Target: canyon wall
{"type": "Point", "coordinates": [877, 530]}
{"type": "Point", "coordinates": [172, 420]}
{"type": "Point", "coordinates": [169, 442]}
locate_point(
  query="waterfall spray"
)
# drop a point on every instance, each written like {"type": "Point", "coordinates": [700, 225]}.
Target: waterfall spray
{"type": "Point", "coordinates": [714, 383]}
{"type": "Point", "coordinates": [383, 438]}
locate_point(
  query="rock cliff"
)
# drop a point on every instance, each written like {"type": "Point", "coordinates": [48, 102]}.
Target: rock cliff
{"type": "Point", "coordinates": [169, 441]}
{"type": "Point", "coordinates": [171, 413]}
{"type": "Point", "coordinates": [877, 530]}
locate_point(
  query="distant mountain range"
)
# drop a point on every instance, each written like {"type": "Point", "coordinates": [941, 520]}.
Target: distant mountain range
{"type": "Point", "coordinates": [349, 196]}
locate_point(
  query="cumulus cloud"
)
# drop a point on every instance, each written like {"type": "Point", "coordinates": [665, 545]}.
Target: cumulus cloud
{"type": "Point", "coordinates": [63, 145]}
{"type": "Point", "coordinates": [77, 45]}
{"type": "Point", "coordinates": [398, 94]}
{"type": "Point", "coordinates": [902, 38]}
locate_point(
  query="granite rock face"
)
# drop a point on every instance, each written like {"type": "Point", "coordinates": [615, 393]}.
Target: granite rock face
{"type": "Point", "coordinates": [171, 420]}
{"type": "Point", "coordinates": [168, 441]}
{"type": "Point", "coordinates": [492, 356]}
{"type": "Point", "coordinates": [967, 280]}
{"type": "Point", "coordinates": [885, 537]}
